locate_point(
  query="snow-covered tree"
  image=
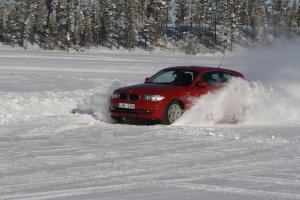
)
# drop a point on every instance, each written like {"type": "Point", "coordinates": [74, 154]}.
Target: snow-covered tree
{"type": "Point", "coordinates": [259, 20]}
{"type": "Point", "coordinates": [182, 11]}
{"type": "Point", "coordinates": [119, 18]}
{"type": "Point", "coordinates": [35, 22]}
{"type": "Point", "coordinates": [182, 14]}
{"type": "Point", "coordinates": [78, 24]}
{"type": "Point", "coordinates": [231, 12]}
{"type": "Point", "coordinates": [293, 17]}
{"type": "Point", "coordinates": [22, 23]}
{"type": "Point", "coordinates": [4, 12]}
{"type": "Point", "coordinates": [166, 16]}
{"type": "Point", "coordinates": [52, 24]}
{"type": "Point", "coordinates": [245, 13]}
{"type": "Point", "coordinates": [279, 16]}
{"type": "Point", "coordinates": [88, 25]}
{"type": "Point", "coordinates": [63, 22]}
{"type": "Point", "coordinates": [202, 17]}
{"type": "Point", "coordinates": [298, 18]}
{"type": "Point", "coordinates": [152, 30]}
{"type": "Point", "coordinates": [131, 23]}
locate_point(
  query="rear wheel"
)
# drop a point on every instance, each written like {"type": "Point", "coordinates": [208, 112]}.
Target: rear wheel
{"type": "Point", "coordinates": [172, 113]}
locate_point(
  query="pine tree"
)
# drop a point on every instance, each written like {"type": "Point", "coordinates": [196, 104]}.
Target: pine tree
{"type": "Point", "coordinates": [88, 25]}
{"type": "Point", "coordinates": [293, 18]}
{"type": "Point", "coordinates": [280, 17]}
{"type": "Point", "coordinates": [119, 18]}
{"type": "Point", "coordinates": [231, 21]}
{"type": "Point", "coordinates": [182, 12]}
{"type": "Point", "coordinates": [202, 18]}
{"type": "Point", "coordinates": [40, 22]}
{"type": "Point", "coordinates": [258, 20]}
{"type": "Point", "coordinates": [52, 24]}
{"type": "Point", "coordinates": [131, 23]}
{"type": "Point", "coordinates": [4, 10]}
{"type": "Point", "coordinates": [192, 14]}
{"type": "Point", "coordinates": [246, 13]}
{"type": "Point", "coordinates": [286, 17]}
{"type": "Point", "coordinates": [163, 17]}
{"type": "Point", "coordinates": [106, 21]}
{"type": "Point", "coordinates": [79, 29]}
{"type": "Point", "coordinates": [35, 22]}
{"type": "Point", "coordinates": [298, 18]}
{"type": "Point", "coordinates": [142, 19]}
{"type": "Point", "coordinates": [166, 15]}
{"type": "Point", "coordinates": [75, 15]}
{"type": "Point", "coordinates": [21, 12]}
{"type": "Point", "coordinates": [96, 21]}
{"type": "Point", "coordinates": [152, 31]}
{"type": "Point", "coordinates": [63, 34]}
{"type": "Point", "coordinates": [11, 23]}
{"type": "Point", "coordinates": [151, 35]}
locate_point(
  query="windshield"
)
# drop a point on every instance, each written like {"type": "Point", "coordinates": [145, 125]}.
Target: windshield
{"type": "Point", "coordinates": [174, 76]}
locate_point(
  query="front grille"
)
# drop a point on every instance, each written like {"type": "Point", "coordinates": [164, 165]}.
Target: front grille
{"type": "Point", "coordinates": [123, 96]}
{"type": "Point", "coordinates": [134, 97]}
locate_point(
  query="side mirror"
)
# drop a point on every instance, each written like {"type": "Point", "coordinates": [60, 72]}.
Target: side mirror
{"type": "Point", "coordinates": [147, 80]}
{"type": "Point", "coordinates": [201, 84]}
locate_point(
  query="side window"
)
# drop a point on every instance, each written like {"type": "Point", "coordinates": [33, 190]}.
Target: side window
{"type": "Point", "coordinates": [225, 77]}
{"type": "Point", "coordinates": [212, 78]}
{"type": "Point", "coordinates": [166, 77]}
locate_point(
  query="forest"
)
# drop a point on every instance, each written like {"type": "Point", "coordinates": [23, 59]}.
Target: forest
{"type": "Point", "coordinates": [191, 26]}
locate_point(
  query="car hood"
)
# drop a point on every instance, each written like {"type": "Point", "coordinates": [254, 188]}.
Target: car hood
{"type": "Point", "coordinates": [151, 88]}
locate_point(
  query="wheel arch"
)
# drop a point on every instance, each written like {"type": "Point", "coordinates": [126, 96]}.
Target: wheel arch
{"type": "Point", "coordinates": [178, 101]}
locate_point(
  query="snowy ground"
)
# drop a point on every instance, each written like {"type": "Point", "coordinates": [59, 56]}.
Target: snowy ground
{"type": "Point", "coordinates": [48, 153]}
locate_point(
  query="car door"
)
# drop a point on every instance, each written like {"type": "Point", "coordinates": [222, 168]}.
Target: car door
{"type": "Point", "coordinates": [208, 82]}
{"type": "Point", "coordinates": [213, 80]}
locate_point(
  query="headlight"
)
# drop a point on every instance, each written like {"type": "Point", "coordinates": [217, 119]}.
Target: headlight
{"type": "Point", "coordinates": [153, 97]}
{"type": "Point", "coordinates": [115, 95]}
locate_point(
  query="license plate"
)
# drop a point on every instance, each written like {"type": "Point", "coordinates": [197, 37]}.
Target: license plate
{"type": "Point", "coordinates": [126, 106]}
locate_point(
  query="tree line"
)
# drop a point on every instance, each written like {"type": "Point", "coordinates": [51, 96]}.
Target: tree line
{"type": "Point", "coordinates": [190, 25]}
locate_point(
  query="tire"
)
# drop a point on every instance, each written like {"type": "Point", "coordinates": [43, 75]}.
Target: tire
{"type": "Point", "coordinates": [172, 113]}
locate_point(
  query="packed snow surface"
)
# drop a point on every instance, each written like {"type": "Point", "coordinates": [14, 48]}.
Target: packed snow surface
{"type": "Point", "coordinates": [47, 152]}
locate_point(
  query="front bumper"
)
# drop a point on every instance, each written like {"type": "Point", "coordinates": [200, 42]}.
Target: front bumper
{"type": "Point", "coordinates": [143, 109]}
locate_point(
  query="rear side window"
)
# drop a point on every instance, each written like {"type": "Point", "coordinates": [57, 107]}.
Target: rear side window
{"type": "Point", "coordinates": [212, 78]}
{"type": "Point", "coordinates": [225, 76]}
{"type": "Point", "coordinates": [217, 78]}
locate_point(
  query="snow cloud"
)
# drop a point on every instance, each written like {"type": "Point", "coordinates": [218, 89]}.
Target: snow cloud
{"type": "Point", "coordinates": [271, 94]}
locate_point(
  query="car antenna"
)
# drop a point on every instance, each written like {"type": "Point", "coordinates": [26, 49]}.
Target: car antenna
{"type": "Point", "coordinates": [222, 59]}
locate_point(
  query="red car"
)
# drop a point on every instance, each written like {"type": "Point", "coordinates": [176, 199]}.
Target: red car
{"type": "Point", "coordinates": [167, 93]}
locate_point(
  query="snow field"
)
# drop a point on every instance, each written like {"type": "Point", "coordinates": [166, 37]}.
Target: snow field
{"type": "Point", "coordinates": [30, 106]}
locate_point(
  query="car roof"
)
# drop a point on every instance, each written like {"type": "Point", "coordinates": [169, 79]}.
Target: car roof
{"type": "Point", "coordinates": [202, 69]}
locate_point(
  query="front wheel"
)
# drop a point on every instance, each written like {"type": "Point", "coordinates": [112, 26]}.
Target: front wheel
{"type": "Point", "coordinates": [172, 113]}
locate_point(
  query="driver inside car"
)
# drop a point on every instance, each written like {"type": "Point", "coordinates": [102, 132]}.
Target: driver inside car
{"type": "Point", "coordinates": [182, 78]}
